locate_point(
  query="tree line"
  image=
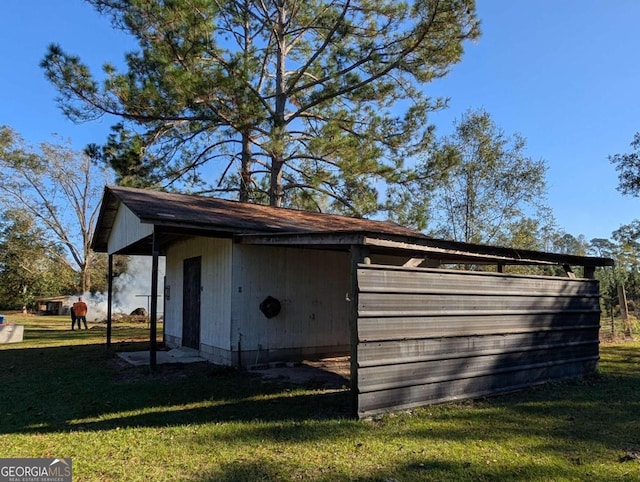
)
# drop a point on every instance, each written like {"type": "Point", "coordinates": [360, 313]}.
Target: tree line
{"type": "Point", "coordinates": [50, 199]}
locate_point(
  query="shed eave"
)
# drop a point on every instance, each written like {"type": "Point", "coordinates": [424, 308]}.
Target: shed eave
{"type": "Point", "coordinates": [442, 250]}
{"type": "Point", "coordinates": [104, 224]}
{"type": "Point", "coordinates": [453, 251]}
{"type": "Point", "coordinates": [346, 239]}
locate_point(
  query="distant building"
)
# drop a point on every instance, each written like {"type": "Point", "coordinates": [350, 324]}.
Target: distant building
{"type": "Point", "coordinates": [53, 305]}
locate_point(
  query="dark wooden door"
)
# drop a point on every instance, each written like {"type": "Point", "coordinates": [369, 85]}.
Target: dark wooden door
{"type": "Point", "coordinates": [191, 302]}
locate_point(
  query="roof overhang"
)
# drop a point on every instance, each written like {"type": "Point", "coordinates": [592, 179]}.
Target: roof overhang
{"type": "Point", "coordinates": [328, 233]}
{"type": "Point", "coordinates": [441, 250]}
{"type": "Point", "coordinates": [106, 217]}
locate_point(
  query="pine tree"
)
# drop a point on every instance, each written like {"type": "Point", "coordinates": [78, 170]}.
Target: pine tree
{"type": "Point", "coordinates": [309, 103]}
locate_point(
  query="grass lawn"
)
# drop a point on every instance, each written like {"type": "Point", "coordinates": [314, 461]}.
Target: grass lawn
{"type": "Point", "coordinates": [63, 395]}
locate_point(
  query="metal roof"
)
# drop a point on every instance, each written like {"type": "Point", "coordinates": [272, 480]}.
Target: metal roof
{"type": "Point", "coordinates": [179, 215]}
{"type": "Point", "coordinates": [225, 217]}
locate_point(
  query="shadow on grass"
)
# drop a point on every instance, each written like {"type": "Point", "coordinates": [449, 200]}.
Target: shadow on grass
{"type": "Point", "coordinates": [593, 418]}
{"type": "Point", "coordinates": [85, 387]}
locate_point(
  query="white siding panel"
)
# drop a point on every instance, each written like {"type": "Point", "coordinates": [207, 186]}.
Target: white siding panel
{"type": "Point", "coordinates": [215, 311]}
{"type": "Point", "coordinates": [311, 286]}
{"type": "Point", "coordinates": [127, 229]}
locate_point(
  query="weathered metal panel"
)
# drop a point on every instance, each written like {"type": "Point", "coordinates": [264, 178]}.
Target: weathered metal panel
{"type": "Point", "coordinates": [311, 286]}
{"type": "Point", "coordinates": [402, 279]}
{"type": "Point", "coordinates": [411, 396]}
{"type": "Point", "coordinates": [389, 304]}
{"type": "Point", "coordinates": [127, 229]}
{"type": "Point", "coordinates": [427, 336]}
{"type": "Point", "coordinates": [384, 377]}
{"type": "Point", "coordinates": [473, 323]}
{"type": "Point", "coordinates": [392, 352]}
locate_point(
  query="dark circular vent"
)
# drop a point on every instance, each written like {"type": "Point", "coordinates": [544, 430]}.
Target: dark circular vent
{"type": "Point", "coordinates": [270, 307]}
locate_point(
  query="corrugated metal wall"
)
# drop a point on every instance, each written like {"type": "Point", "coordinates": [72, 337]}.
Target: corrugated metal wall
{"type": "Point", "coordinates": [428, 336]}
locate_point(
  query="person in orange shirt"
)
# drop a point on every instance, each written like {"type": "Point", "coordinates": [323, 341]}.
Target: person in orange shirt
{"type": "Point", "coordinates": [80, 311]}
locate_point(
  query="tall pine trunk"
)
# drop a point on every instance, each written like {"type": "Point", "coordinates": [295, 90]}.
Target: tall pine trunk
{"type": "Point", "coordinates": [246, 180]}
{"type": "Point", "coordinates": [245, 169]}
{"type": "Point", "coordinates": [278, 131]}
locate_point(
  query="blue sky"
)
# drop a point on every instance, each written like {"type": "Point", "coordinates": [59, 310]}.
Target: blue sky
{"type": "Point", "coordinates": [563, 73]}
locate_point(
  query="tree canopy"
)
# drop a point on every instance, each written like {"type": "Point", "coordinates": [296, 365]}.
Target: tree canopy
{"type": "Point", "coordinates": [29, 262]}
{"type": "Point", "coordinates": [628, 167]}
{"type": "Point", "coordinates": [307, 103]}
{"type": "Point", "coordinates": [60, 190]}
{"type": "Point", "coordinates": [491, 185]}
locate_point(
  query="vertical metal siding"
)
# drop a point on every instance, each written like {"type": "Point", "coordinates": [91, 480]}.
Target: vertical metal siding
{"type": "Point", "coordinates": [215, 312]}
{"type": "Point", "coordinates": [311, 286]}
{"type": "Point", "coordinates": [428, 336]}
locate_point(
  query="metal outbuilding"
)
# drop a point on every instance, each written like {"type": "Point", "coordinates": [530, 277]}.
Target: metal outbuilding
{"type": "Point", "coordinates": [250, 284]}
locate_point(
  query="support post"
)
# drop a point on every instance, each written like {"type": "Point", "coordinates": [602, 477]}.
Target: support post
{"type": "Point", "coordinates": [109, 299]}
{"type": "Point", "coordinates": [589, 272]}
{"type": "Point", "coordinates": [358, 255]}
{"type": "Point", "coordinates": [164, 310]}
{"type": "Point", "coordinates": [624, 309]}
{"type": "Point", "coordinates": [153, 335]}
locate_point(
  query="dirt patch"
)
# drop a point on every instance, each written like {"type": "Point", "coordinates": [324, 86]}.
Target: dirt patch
{"type": "Point", "coordinates": [325, 374]}
{"type": "Point", "coordinates": [338, 365]}
{"type": "Point", "coordinates": [328, 373]}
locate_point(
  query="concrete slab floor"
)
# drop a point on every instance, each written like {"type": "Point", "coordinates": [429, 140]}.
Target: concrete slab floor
{"type": "Point", "coordinates": [176, 355]}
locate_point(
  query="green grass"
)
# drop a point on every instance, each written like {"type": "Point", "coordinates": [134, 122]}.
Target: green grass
{"type": "Point", "coordinates": [64, 395]}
